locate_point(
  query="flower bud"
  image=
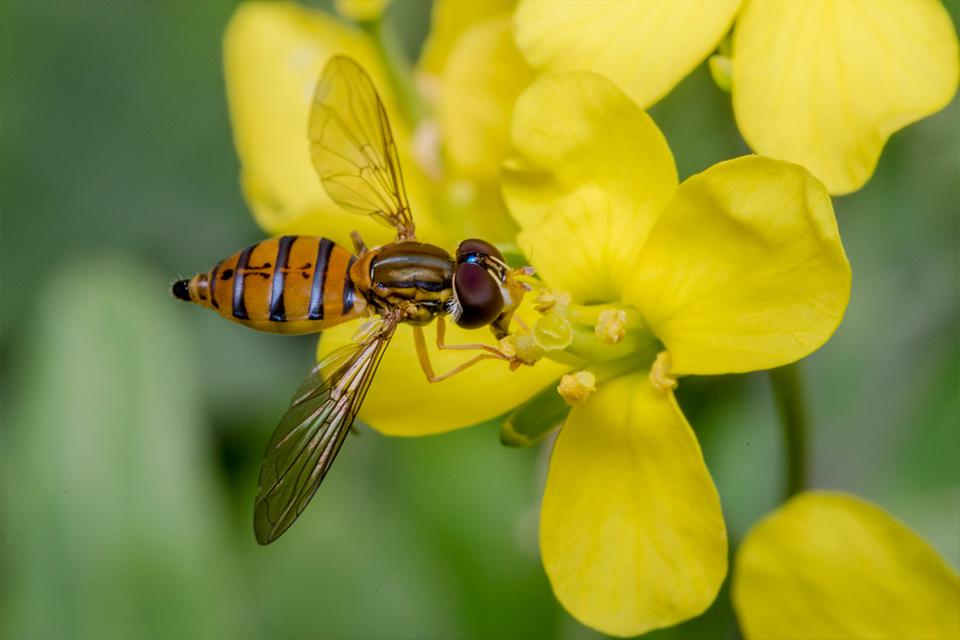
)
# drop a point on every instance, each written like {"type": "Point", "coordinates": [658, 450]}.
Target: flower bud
{"type": "Point", "coordinates": [721, 69]}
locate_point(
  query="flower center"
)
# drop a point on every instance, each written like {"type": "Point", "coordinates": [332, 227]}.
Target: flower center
{"type": "Point", "coordinates": [585, 335]}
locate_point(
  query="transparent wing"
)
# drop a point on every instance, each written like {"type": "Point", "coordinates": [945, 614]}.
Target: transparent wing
{"type": "Point", "coordinates": [312, 431]}
{"type": "Point", "coordinates": [353, 149]}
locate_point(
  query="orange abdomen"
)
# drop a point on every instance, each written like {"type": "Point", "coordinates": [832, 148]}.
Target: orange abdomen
{"type": "Point", "coordinates": [291, 284]}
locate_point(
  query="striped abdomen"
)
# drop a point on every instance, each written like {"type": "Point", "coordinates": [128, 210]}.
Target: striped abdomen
{"type": "Point", "coordinates": [292, 284]}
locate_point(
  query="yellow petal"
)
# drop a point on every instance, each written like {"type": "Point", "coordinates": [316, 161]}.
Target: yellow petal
{"type": "Point", "coordinates": [402, 403]}
{"type": "Point", "coordinates": [479, 85]}
{"type": "Point", "coordinates": [744, 269]}
{"type": "Point", "coordinates": [273, 56]}
{"type": "Point", "coordinates": [832, 566]}
{"type": "Point", "coordinates": [631, 531]}
{"type": "Point", "coordinates": [592, 174]}
{"type": "Point", "coordinates": [645, 47]}
{"type": "Point", "coordinates": [472, 72]}
{"type": "Point", "coordinates": [448, 20]}
{"type": "Point", "coordinates": [475, 209]}
{"type": "Point", "coordinates": [824, 83]}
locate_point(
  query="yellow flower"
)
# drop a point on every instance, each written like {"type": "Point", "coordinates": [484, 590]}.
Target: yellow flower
{"type": "Point", "coordinates": [832, 566]}
{"type": "Point", "coordinates": [823, 83]}
{"type": "Point", "coordinates": [273, 56]}
{"type": "Point", "coordinates": [736, 269]}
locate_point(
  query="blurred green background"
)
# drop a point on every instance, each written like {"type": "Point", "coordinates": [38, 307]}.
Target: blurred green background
{"type": "Point", "coordinates": [132, 427]}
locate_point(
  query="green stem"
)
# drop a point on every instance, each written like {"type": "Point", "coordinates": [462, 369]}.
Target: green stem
{"type": "Point", "coordinates": [791, 403]}
{"type": "Point", "coordinates": [612, 369]}
{"type": "Point", "coordinates": [587, 345]}
{"type": "Point", "coordinates": [399, 70]}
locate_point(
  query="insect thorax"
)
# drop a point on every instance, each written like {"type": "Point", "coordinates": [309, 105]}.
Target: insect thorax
{"type": "Point", "coordinates": [413, 276]}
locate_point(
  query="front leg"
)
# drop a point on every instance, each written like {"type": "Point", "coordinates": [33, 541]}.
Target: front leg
{"type": "Point", "coordinates": [442, 345]}
{"type": "Point", "coordinates": [424, 357]}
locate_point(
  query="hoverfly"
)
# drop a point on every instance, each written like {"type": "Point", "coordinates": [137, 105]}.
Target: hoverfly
{"type": "Point", "coordinates": [305, 284]}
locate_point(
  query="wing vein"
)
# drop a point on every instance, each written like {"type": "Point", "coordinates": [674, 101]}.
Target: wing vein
{"type": "Point", "coordinates": [312, 431]}
{"type": "Point", "coordinates": [351, 142]}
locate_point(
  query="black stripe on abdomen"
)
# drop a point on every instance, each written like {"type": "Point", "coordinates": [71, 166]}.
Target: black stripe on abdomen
{"type": "Point", "coordinates": [348, 291]}
{"type": "Point", "coordinates": [213, 286]}
{"type": "Point", "coordinates": [239, 306]}
{"type": "Point", "coordinates": [319, 276]}
{"type": "Point", "coordinates": [278, 312]}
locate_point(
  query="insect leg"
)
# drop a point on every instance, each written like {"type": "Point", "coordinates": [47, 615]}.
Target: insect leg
{"type": "Point", "coordinates": [442, 331]}
{"type": "Point", "coordinates": [424, 357]}
{"type": "Point", "coordinates": [359, 246]}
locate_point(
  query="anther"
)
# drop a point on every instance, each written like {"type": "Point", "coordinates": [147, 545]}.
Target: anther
{"type": "Point", "coordinates": [548, 299]}
{"type": "Point", "coordinates": [521, 347]}
{"type": "Point", "coordinates": [577, 387]}
{"type": "Point", "coordinates": [661, 377]}
{"type": "Point", "coordinates": [611, 325]}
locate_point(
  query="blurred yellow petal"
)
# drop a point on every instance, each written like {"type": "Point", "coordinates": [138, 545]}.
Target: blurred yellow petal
{"type": "Point", "coordinates": [475, 209]}
{"type": "Point", "coordinates": [448, 20]}
{"type": "Point", "coordinates": [631, 532]}
{"type": "Point", "coordinates": [824, 83]}
{"type": "Point", "coordinates": [832, 566]}
{"type": "Point", "coordinates": [592, 174]}
{"type": "Point", "coordinates": [744, 269]}
{"type": "Point", "coordinates": [361, 10]}
{"type": "Point", "coordinates": [273, 56]}
{"type": "Point", "coordinates": [479, 85]}
{"type": "Point", "coordinates": [471, 71]}
{"type": "Point", "coordinates": [402, 403]}
{"type": "Point", "coordinates": [645, 47]}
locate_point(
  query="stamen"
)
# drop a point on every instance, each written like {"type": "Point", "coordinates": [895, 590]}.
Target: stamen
{"type": "Point", "coordinates": [522, 346]}
{"type": "Point", "coordinates": [611, 325]}
{"type": "Point", "coordinates": [660, 376]}
{"type": "Point", "coordinates": [548, 300]}
{"type": "Point", "coordinates": [577, 387]}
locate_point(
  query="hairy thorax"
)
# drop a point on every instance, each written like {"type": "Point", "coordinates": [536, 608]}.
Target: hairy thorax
{"type": "Point", "coordinates": [412, 276]}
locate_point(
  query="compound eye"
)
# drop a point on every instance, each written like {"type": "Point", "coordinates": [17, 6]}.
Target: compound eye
{"type": "Point", "coordinates": [478, 294]}
{"type": "Point", "coordinates": [475, 246]}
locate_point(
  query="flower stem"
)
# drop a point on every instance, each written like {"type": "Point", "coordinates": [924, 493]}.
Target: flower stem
{"type": "Point", "coordinates": [398, 68]}
{"type": "Point", "coordinates": [791, 403]}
